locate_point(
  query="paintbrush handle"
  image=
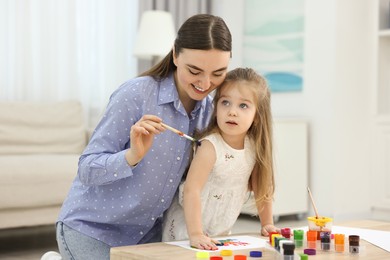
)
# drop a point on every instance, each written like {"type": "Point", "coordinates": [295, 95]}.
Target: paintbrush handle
{"type": "Point", "coordinates": [178, 132]}
{"type": "Point", "coordinates": [312, 202]}
{"type": "Point", "coordinates": [172, 129]}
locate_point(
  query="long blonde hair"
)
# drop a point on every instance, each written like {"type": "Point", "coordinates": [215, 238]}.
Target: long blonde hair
{"type": "Point", "coordinates": [260, 131]}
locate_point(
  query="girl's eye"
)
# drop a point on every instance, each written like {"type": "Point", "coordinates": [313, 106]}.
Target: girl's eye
{"type": "Point", "coordinates": [193, 72]}
{"type": "Point", "coordinates": [243, 105]}
{"type": "Point", "coordinates": [225, 102]}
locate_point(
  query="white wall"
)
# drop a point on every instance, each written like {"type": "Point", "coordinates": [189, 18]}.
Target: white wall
{"type": "Point", "coordinates": [335, 100]}
{"type": "Point", "coordinates": [232, 13]}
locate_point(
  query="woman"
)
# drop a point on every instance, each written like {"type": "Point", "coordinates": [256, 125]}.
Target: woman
{"type": "Point", "coordinates": [131, 168]}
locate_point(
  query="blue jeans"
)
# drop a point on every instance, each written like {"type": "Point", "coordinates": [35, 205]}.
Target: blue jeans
{"type": "Point", "coordinates": [74, 245]}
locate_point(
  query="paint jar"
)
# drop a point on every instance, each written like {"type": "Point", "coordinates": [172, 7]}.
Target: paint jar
{"type": "Point", "coordinates": [325, 240]}
{"type": "Point", "coordinates": [354, 244]}
{"type": "Point", "coordinates": [277, 242]}
{"type": "Point", "coordinates": [202, 255]}
{"type": "Point", "coordinates": [303, 256]}
{"type": "Point", "coordinates": [339, 242]}
{"type": "Point", "coordinates": [311, 238]}
{"type": "Point", "coordinates": [286, 232]}
{"type": "Point", "coordinates": [270, 236]}
{"type": "Point", "coordinates": [273, 236]}
{"type": "Point", "coordinates": [288, 251]}
{"type": "Point", "coordinates": [298, 237]}
{"type": "Point", "coordinates": [309, 251]}
{"type": "Point", "coordinates": [281, 244]}
{"type": "Point", "coordinates": [226, 252]}
{"type": "Point", "coordinates": [320, 224]}
{"type": "Point", "coordinates": [256, 254]}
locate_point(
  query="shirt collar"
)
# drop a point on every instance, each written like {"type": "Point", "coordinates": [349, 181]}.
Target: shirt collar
{"type": "Point", "coordinates": [167, 90]}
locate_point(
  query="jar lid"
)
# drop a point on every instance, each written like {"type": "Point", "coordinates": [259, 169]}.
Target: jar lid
{"type": "Point", "coordinates": [309, 251]}
{"type": "Point", "coordinates": [255, 254]}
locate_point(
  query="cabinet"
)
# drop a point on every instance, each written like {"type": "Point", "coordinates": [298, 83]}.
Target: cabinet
{"type": "Point", "coordinates": [291, 162]}
{"type": "Point", "coordinates": [381, 119]}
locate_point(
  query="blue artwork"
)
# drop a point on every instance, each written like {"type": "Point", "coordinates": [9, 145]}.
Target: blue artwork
{"type": "Point", "coordinates": [273, 41]}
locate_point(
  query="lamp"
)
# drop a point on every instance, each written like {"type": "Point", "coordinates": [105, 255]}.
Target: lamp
{"type": "Point", "coordinates": [155, 35]}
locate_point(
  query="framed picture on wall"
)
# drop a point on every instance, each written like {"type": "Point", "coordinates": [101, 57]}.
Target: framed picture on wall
{"type": "Point", "coordinates": [274, 40]}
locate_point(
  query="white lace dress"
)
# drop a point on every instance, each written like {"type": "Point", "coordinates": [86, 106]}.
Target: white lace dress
{"type": "Point", "coordinates": [222, 196]}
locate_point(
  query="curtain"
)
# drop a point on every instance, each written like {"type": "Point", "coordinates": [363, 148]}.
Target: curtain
{"type": "Point", "coordinates": [180, 10]}
{"type": "Point", "coordinates": [66, 49]}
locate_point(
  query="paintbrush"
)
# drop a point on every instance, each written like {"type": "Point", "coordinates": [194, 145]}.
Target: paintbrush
{"type": "Point", "coordinates": [312, 202]}
{"type": "Point", "coordinates": [197, 142]}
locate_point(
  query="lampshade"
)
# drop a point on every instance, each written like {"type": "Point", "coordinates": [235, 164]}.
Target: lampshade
{"type": "Point", "coordinates": [155, 36]}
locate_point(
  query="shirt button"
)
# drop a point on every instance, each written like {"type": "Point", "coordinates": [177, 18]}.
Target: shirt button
{"type": "Point", "coordinates": [162, 200]}
{"type": "Point", "coordinates": [152, 218]}
{"type": "Point", "coordinates": [170, 180]}
{"type": "Point", "coordinates": [115, 175]}
{"type": "Point", "coordinates": [178, 158]}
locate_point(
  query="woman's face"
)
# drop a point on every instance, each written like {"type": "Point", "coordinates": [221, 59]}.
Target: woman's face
{"type": "Point", "coordinates": [199, 72]}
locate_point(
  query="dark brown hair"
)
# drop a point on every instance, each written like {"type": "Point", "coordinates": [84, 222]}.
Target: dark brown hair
{"type": "Point", "coordinates": [200, 32]}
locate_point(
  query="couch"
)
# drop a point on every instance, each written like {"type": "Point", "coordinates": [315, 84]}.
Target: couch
{"type": "Point", "coordinates": [40, 144]}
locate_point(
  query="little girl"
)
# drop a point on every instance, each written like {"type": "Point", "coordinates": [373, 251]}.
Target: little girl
{"type": "Point", "coordinates": [235, 154]}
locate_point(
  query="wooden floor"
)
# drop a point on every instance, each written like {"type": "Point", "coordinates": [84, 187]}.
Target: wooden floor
{"type": "Point", "coordinates": [32, 243]}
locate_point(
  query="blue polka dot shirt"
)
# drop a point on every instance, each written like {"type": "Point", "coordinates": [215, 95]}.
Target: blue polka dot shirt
{"type": "Point", "coordinates": [122, 205]}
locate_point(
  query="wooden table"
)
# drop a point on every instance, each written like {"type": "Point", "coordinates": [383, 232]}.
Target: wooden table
{"type": "Point", "coordinates": [165, 251]}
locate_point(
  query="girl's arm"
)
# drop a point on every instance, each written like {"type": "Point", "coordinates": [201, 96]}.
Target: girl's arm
{"type": "Point", "coordinates": [198, 173]}
{"type": "Point", "coordinates": [264, 208]}
{"type": "Point", "coordinates": [266, 218]}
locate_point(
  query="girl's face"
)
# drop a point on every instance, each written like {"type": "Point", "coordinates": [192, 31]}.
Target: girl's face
{"type": "Point", "coordinates": [199, 72]}
{"type": "Point", "coordinates": [236, 108]}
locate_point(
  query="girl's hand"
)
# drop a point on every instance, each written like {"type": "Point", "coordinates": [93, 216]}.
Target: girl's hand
{"type": "Point", "coordinates": [203, 242]}
{"type": "Point", "coordinates": [141, 137]}
{"type": "Point", "coordinates": [266, 229]}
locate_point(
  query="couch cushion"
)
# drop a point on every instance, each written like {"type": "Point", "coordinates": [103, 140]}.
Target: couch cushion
{"type": "Point", "coordinates": [36, 180]}
{"type": "Point", "coordinates": [27, 127]}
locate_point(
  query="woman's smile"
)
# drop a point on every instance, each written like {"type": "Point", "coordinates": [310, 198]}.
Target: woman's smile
{"type": "Point", "coordinates": [198, 89]}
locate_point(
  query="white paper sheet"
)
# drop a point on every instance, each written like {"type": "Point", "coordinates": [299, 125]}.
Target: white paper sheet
{"type": "Point", "coordinates": [375, 237]}
{"type": "Point", "coordinates": [231, 242]}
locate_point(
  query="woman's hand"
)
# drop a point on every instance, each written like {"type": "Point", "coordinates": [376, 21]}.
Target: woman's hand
{"type": "Point", "coordinates": [203, 242]}
{"type": "Point", "coordinates": [141, 137]}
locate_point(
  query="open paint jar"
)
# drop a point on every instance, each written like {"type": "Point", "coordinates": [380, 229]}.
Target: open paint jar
{"type": "Point", "coordinates": [320, 224]}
